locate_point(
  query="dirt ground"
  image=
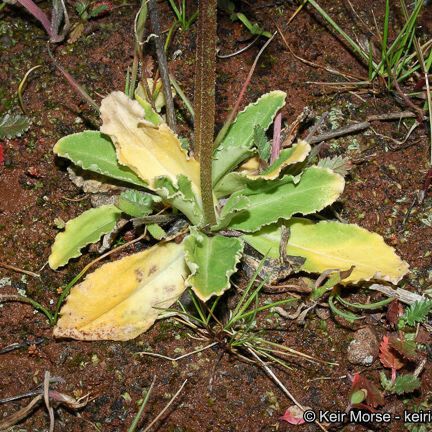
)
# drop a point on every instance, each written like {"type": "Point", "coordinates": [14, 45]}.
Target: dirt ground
{"type": "Point", "coordinates": [35, 189]}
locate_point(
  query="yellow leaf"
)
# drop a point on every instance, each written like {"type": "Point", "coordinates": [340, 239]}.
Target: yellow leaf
{"type": "Point", "coordinates": [290, 156]}
{"type": "Point", "coordinates": [295, 154]}
{"type": "Point", "coordinates": [150, 151]}
{"type": "Point", "coordinates": [250, 166]}
{"type": "Point", "coordinates": [122, 299]}
{"type": "Point", "coordinates": [333, 245]}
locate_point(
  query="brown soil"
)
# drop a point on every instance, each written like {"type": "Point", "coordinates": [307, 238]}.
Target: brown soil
{"type": "Point", "coordinates": [35, 189]}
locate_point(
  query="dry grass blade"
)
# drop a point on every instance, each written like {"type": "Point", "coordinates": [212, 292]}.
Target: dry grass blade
{"type": "Point", "coordinates": [19, 270]}
{"type": "Point", "coordinates": [165, 408]}
{"type": "Point", "coordinates": [151, 354]}
{"type": "Point", "coordinates": [21, 414]}
{"type": "Point", "coordinates": [47, 400]}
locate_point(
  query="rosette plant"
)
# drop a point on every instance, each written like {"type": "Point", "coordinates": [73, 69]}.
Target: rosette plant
{"type": "Point", "coordinates": [225, 203]}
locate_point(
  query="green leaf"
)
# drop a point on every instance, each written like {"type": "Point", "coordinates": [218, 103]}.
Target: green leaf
{"type": "Point", "coordinates": [406, 384]}
{"type": "Point", "coordinates": [12, 126]}
{"type": "Point", "coordinates": [136, 203]}
{"type": "Point", "coordinates": [98, 10]}
{"type": "Point", "coordinates": [386, 384]}
{"type": "Point", "coordinates": [237, 205]}
{"type": "Point", "coordinates": [261, 143]}
{"type": "Point", "coordinates": [211, 260]}
{"type": "Point", "coordinates": [93, 151]}
{"type": "Point", "coordinates": [358, 396]}
{"type": "Point", "coordinates": [282, 198]}
{"type": "Point", "coordinates": [156, 231]}
{"type": "Point", "coordinates": [87, 228]}
{"type": "Point", "coordinates": [417, 312]}
{"type": "Point", "coordinates": [150, 114]}
{"type": "Point", "coordinates": [180, 196]}
{"type": "Point", "coordinates": [236, 181]}
{"type": "Point", "coordinates": [238, 142]}
{"type": "Point", "coordinates": [254, 28]}
{"type": "Point", "coordinates": [339, 164]}
{"type": "Point", "coordinates": [333, 245]}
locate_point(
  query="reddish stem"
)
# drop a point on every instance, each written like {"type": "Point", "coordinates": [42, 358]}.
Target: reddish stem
{"type": "Point", "coordinates": [38, 13]}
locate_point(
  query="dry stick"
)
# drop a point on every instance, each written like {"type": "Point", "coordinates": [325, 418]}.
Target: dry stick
{"type": "Point", "coordinates": [279, 383]}
{"type": "Point", "coordinates": [16, 269]}
{"type": "Point", "coordinates": [165, 408]}
{"type": "Point", "coordinates": [233, 113]}
{"type": "Point", "coordinates": [357, 127]}
{"type": "Point", "coordinates": [151, 354]}
{"type": "Point", "coordinates": [163, 64]}
{"type": "Point", "coordinates": [204, 103]}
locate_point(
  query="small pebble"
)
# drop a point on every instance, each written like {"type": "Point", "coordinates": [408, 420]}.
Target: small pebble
{"type": "Point", "coordinates": [364, 348]}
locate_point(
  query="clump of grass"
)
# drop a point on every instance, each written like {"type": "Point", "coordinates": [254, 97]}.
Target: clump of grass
{"type": "Point", "coordinates": [397, 60]}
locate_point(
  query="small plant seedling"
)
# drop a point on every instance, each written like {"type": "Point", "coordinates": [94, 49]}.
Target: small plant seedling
{"type": "Point", "coordinates": [12, 126]}
{"type": "Point", "coordinates": [180, 11]}
{"type": "Point", "coordinates": [86, 11]}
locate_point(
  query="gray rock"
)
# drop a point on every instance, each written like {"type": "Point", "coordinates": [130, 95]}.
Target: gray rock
{"type": "Point", "coordinates": [364, 348]}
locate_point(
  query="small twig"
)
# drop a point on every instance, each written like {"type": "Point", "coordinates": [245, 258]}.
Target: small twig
{"type": "Point", "coordinates": [402, 295]}
{"type": "Point", "coordinates": [179, 357]}
{"type": "Point", "coordinates": [279, 383]}
{"type": "Point", "coordinates": [345, 130]}
{"type": "Point", "coordinates": [165, 408]}
{"type": "Point", "coordinates": [391, 116]}
{"type": "Point", "coordinates": [163, 64]}
{"type": "Point", "coordinates": [357, 127]}
{"type": "Point", "coordinates": [19, 270]}
{"type": "Point", "coordinates": [316, 126]}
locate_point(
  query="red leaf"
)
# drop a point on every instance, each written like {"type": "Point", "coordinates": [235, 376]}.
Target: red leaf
{"type": "Point", "coordinates": [373, 396]}
{"type": "Point", "coordinates": [388, 356]}
{"type": "Point", "coordinates": [293, 415]}
{"type": "Point", "coordinates": [394, 312]}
